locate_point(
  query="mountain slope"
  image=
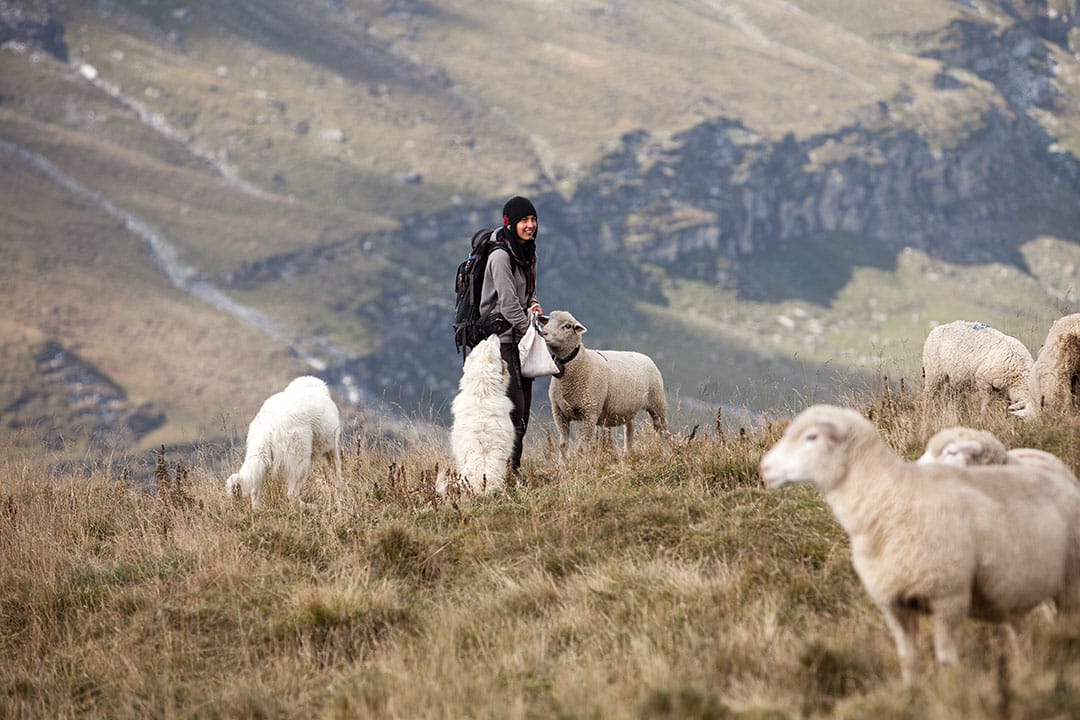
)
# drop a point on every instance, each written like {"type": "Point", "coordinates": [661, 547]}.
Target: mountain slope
{"type": "Point", "coordinates": [774, 199]}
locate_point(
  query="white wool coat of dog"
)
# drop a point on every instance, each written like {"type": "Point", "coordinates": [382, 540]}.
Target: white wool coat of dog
{"type": "Point", "coordinates": [989, 543]}
{"type": "Point", "coordinates": [293, 429]}
{"type": "Point", "coordinates": [482, 436]}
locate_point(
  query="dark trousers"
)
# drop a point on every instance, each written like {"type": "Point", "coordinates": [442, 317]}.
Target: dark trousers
{"type": "Point", "coordinates": [520, 393]}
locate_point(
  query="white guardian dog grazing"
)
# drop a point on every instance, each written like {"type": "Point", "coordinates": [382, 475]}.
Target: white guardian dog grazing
{"type": "Point", "coordinates": [292, 430]}
{"type": "Point", "coordinates": [989, 543]}
{"type": "Point", "coordinates": [482, 436]}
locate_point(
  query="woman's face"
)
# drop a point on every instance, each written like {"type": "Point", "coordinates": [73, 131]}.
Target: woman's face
{"type": "Point", "coordinates": [526, 228]}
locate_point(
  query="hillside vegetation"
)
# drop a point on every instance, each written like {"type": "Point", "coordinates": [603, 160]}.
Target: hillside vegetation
{"type": "Point", "coordinates": [790, 193]}
{"type": "Point", "coordinates": [667, 584]}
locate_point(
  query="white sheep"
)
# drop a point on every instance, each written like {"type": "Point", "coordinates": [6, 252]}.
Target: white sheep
{"type": "Point", "coordinates": [963, 446]}
{"type": "Point", "coordinates": [482, 436]}
{"type": "Point", "coordinates": [1057, 368]}
{"type": "Point", "coordinates": [293, 429]}
{"type": "Point", "coordinates": [988, 543]}
{"type": "Point", "coordinates": [600, 387]}
{"type": "Point", "coordinates": [970, 356]}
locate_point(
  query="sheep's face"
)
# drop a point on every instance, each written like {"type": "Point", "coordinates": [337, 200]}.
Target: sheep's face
{"type": "Point", "coordinates": [961, 446]}
{"type": "Point", "coordinates": [1024, 409]}
{"type": "Point", "coordinates": [813, 449]}
{"type": "Point", "coordinates": [562, 332]}
{"type": "Point", "coordinates": [958, 453]}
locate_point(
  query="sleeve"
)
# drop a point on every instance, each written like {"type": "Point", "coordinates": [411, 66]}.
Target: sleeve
{"type": "Point", "coordinates": [501, 275]}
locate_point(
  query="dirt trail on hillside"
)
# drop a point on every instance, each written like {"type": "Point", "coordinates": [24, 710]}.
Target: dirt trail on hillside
{"type": "Point", "coordinates": [157, 122]}
{"type": "Point", "coordinates": [317, 352]}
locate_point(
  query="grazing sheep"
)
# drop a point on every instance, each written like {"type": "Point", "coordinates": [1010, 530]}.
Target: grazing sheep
{"type": "Point", "coordinates": [600, 387]}
{"type": "Point", "coordinates": [1057, 369]}
{"type": "Point", "coordinates": [963, 355]}
{"type": "Point", "coordinates": [962, 447]}
{"type": "Point", "coordinates": [988, 543]}
{"type": "Point", "coordinates": [482, 436]}
{"type": "Point", "coordinates": [292, 429]}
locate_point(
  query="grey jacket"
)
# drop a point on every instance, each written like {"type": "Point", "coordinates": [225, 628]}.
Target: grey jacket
{"type": "Point", "coordinates": [504, 292]}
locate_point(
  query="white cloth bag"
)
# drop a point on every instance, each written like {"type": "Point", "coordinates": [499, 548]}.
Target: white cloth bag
{"type": "Point", "coordinates": [536, 360]}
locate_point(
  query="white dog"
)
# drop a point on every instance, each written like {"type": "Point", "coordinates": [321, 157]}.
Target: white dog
{"type": "Point", "coordinates": [482, 436]}
{"type": "Point", "coordinates": [292, 429]}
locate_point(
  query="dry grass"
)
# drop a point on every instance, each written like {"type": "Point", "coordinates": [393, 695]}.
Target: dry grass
{"type": "Point", "coordinates": [668, 584]}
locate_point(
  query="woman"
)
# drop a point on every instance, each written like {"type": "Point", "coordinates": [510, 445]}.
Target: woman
{"type": "Point", "coordinates": [509, 289]}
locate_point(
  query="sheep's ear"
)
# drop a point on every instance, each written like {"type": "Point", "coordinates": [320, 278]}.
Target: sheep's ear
{"type": "Point", "coordinates": [543, 320]}
{"type": "Point", "coordinates": [579, 329]}
{"type": "Point", "coordinates": [969, 448]}
{"type": "Point", "coordinates": [834, 431]}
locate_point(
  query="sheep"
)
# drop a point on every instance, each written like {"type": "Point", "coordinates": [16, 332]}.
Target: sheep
{"type": "Point", "coordinates": [482, 436]}
{"type": "Point", "coordinates": [1057, 368]}
{"type": "Point", "coordinates": [988, 543]}
{"type": "Point", "coordinates": [293, 429]}
{"type": "Point", "coordinates": [600, 387]}
{"type": "Point", "coordinates": [962, 446]}
{"type": "Point", "coordinates": [966, 355]}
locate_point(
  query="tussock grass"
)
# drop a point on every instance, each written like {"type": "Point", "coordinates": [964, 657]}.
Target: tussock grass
{"type": "Point", "coordinates": [666, 584]}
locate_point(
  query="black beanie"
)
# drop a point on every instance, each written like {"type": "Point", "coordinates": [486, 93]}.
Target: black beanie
{"type": "Point", "coordinates": [514, 210]}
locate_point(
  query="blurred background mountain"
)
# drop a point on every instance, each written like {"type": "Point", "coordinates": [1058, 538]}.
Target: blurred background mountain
{"type": "Point", "coordinates": [776, 199]}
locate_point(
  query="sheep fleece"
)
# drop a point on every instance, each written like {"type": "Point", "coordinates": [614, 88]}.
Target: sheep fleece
{"type": "Point", "coordinates": [963, 353]}
{"type": "Point", "coordinates": [983, 542]}
{"type": "Point", "coordinates": [1058, 365]}
{"type": "Point", "coordinates": [601, 387]}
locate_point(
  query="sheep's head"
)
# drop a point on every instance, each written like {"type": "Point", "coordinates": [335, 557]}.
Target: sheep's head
{"type": "Point", "coordinates": [961, 446]}
{"type": "Point", "coordinates": [562, 332]}
{"type": "Point", "coordinates": [1025, 402]}
{"type": "Point", "coordinates": [813, 449]}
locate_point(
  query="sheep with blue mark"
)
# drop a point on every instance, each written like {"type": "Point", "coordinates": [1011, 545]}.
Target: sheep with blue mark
{"type": "Point", "coordinates": [972, 357]}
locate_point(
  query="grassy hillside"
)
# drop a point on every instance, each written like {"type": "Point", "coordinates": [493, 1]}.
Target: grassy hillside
{"type": "Point", "coordinates": [669, 584]}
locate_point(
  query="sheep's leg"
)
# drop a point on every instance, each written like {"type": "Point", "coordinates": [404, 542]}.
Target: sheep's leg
{"type": "Point", "coordinates": [904, 626]}
{"type": "Point", "coordinates": [588, 435]}
{"type": "Point", "coordinates": [1018, 639]}
{"type": "Point", "coordinates": [562, 427]}
{"type": "Point", "coordinates": [628, 436]}
{"type": "Point", "coordinates": [949, 614]}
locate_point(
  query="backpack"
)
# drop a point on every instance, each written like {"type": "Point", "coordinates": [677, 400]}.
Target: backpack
{"type": "Point", "coordinates": [469, 327]}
